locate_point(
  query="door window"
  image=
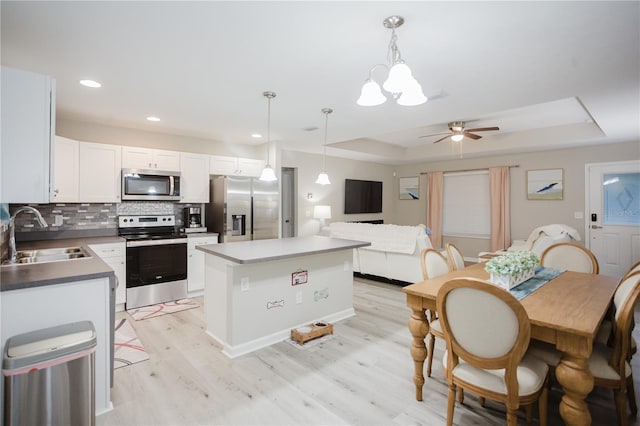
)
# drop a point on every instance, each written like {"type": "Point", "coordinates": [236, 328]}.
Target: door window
{"type": "Point", "coordinates": [621, 196]}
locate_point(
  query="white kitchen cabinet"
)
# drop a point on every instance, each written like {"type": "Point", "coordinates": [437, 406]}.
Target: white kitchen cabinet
{"type": "Point", "coordinates": [194, 178]}
{"type": "Point", "coordinates": [148, 158]}
{"type": "Point", "coordinates": [28, 129]}
{"type": "Point", "coordinates": [114, 255]}
{"type": "Point", "coordinates": [100, 173]}
{"type": "Point", "coordinates": [34, 308]}
{"type": "Point", "coordinates": [66, 171]}
{"type": "Point", "coordinates": [195, 262]}
{"type": "Point", "coordinates": [233, 166]}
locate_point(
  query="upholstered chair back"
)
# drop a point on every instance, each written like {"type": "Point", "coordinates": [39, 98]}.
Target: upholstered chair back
{"type": "Point", "coordinates": [571, 257]}
{"type": "Point", "coordinates": [455, 257]}
{"type": "Point", "coordinates": [433, 264]}
{"type": "Point", "coordinates": [499, 340]}
{"type": "Point", "coordinates": [634, 268]}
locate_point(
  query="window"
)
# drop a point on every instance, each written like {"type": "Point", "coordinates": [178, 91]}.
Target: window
{"type": "Point", "coordinates": [465, 210]}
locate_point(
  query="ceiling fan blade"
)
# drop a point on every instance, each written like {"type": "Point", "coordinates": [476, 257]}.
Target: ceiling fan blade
{"type": "Point", "coordinates": [472, 136]}
{"type": "Point", "coordinates": [435, 134]}
{"type": "Point", "coordinates": [441, 139]}
{"type": "Point", "coordinates": [482, 129]}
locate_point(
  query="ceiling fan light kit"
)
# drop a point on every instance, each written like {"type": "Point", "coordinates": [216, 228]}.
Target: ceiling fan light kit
{"type": "Point", "coordinates": [400, 82]}
{"type": "Point", "coordinates": [268, 174]}
{"type": "Point", "coordinates": [457, 132]}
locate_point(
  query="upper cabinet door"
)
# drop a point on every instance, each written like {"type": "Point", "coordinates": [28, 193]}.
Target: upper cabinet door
{"type": "Point", "coordinates": [148, 158]}
{"type": "Point", "coordinates": [28, 128]}
{"type": "Point", "coordinates": [250, 167]}
{"type": "Point", "coordinates": [166, 160]}
{"type": "Point", "coordinates": [233, 166]}
{"type": "Point", "coordinates": [100, 173]}
{"type": "Point", "coordinates": [194, 184]}
{"type": "Point", "coordinates": [66, 173]}
{"type": "Point", "coordinates": [226, 166]}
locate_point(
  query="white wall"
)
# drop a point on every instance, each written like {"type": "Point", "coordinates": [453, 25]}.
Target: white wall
{"type": "Point", "coordinates": [525, 214]}
{"type": "Point", "coordinates": [99, 133]}
{"type": "Point", "coordinates": [308, 166]}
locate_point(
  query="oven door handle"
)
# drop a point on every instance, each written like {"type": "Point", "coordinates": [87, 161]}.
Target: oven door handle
{"type": "Point", "coordinates": [161, 242]}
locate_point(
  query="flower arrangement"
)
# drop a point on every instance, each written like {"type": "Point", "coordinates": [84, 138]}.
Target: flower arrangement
{"type": "Point", "coordinates": [512, 268]}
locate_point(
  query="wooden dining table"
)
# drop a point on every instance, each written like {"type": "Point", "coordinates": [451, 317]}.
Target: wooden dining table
{"type": "Point", "coordinates": [566, 312]}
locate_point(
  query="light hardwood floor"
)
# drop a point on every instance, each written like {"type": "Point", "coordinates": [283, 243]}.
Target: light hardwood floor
{"type": "Point", "coordinates": [361, 376]}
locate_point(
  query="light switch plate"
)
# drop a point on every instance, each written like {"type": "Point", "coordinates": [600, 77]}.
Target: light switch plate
{"type": "Point", "coordinates": [244, 284]}
{"type": "Point", "coordinates": [578, 215]}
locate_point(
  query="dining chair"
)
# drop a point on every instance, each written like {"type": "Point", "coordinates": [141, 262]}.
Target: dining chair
{"type": "Point", "coordinates": [433, 265]}
{"type": "Point", "coordinates": [610, 365]}
{"type": "Point", "coordinates": [455, 257]}
{"type": "Point", "coordinates": [634, 268]}
{"type": "Point", "coordinates": [489, 357]}
{"type": "Point", "coordinates": [571, 257]}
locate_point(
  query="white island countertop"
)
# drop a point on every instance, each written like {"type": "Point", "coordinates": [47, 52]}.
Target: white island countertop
{"type": "Point", "coordinates": [257, 251]}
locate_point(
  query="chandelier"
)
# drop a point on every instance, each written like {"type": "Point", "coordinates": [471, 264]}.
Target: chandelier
{"type": "Point", "coordinates": [404, 88]}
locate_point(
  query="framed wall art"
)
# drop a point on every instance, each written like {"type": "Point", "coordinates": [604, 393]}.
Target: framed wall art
{"type": "Point", "coordinates": [410, 188]}
{"type": "Point", "coordinates": [545, 184]}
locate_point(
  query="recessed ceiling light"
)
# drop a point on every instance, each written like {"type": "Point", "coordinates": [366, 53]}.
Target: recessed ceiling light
{"type": "Point", "coordinates": [153, 119]}
{"type": "Point", "coordinates": [256, 135]}
{"type": "Point", "coordinates": [90, 83]}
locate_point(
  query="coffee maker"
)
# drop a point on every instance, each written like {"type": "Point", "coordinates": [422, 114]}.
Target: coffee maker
{"type": "Point", "coordinates": [192, 220]}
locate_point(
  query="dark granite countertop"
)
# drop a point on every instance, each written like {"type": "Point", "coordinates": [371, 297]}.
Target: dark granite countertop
{"type": "Point", "coordinates": [15, 277]}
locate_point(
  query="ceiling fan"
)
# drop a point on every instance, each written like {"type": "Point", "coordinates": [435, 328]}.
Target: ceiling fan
{"type": "Point", "coordinates": [457, 132]}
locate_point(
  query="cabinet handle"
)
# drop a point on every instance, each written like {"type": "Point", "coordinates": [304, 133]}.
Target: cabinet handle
{"type": "Point", "coordinates": [155, 165]}
{"type": "Point", "coordinates": [149, 165]}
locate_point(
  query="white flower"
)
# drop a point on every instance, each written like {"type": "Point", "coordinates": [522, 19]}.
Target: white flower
{"type": "Point", "coordinates": [512, 263]}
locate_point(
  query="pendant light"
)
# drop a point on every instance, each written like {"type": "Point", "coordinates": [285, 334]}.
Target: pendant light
{"type": "Point", "coordinates": [268, 174]}
{"type": "Point", "coordinates": [323, 177]}
{"type": "Point", "coordinates": [400, 82]}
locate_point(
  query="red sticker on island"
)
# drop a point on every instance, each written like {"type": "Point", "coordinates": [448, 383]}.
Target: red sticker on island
{"type": "Point", "coordinates": [299, 277]}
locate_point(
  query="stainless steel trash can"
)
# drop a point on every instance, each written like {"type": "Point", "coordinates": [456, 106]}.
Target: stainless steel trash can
{"type": "Point", "coordinates": [49, 376]}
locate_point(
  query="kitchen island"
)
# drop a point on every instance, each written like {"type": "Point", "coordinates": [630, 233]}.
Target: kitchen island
{"type": "Point", "coordinates": [257, 291]}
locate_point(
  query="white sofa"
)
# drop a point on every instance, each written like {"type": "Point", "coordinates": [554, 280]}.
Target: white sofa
{"type": "Point", "coordinates": [394, 252]}
{"type": "Point", "coordinates": [541, 238]}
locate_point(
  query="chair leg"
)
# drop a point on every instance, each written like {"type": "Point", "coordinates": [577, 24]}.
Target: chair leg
{"type": "Point", "coordinates": [432, 344]}
{"type": "Point", "coordinates": [621, 406]}
{"type": "Point", "coordinates": [451, 401]}
{"type": "Point", "coordinates": [543, 403]}
{"type": "Point", "coordinates": [481, 401]}
{"type": "Point", "coordinates": [512, 417]}
{"type": "Point", "coordinates": [631, 396]}
{"type": "Point", "coordinates": [460, 395]}
{"type": "Point", "coordinates": [529, 413]}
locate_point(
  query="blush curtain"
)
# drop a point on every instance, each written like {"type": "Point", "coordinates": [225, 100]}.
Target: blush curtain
{"type": "Point", "coordinates": [499, 199]}
{"type": "Point", "coordinates": [435, 189]}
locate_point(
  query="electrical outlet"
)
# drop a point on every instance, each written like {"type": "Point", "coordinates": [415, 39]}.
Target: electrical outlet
{"type": "Point", "coordinates": [58, 219]}
{"type": "Point", "coordinates": [298, 297]}
{"type": "Point", "coordinates": [244, 284]}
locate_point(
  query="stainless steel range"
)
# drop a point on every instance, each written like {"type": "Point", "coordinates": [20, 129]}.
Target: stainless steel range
{"type": "Point", "coordinates": [156, 267]}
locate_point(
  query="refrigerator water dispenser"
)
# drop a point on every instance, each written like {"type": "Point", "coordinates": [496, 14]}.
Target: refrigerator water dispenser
{"type": "Point", "coordinates": [239, 227]}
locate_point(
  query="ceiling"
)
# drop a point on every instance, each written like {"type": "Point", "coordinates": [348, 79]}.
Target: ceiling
{"type": "Point", "coordinates": [549, 74]}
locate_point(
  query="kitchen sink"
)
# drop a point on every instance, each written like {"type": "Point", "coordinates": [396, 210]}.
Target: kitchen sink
{"type": "Point", "coordinates": [49, 255]}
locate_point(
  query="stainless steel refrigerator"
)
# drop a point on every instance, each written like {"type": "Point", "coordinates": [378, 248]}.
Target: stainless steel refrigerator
{"type": "Point", "coordinates": [242, 208]}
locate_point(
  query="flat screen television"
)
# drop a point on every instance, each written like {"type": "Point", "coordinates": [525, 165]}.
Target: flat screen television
{"type": "Point", "coordinates": [362, 196]}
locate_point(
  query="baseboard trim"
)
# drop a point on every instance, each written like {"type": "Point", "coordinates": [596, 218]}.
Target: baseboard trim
{"type": "Point", "coordinates": [234, 351]}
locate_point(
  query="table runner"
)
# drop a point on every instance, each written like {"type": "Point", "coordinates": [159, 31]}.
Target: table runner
{"type": "Point", "coordinates": [542, 276]}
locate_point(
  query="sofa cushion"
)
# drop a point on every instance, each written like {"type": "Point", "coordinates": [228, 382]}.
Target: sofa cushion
{"type": "Point", "coordinates": [387, 238]}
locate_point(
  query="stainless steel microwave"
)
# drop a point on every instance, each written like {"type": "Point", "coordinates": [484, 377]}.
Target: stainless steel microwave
{"type": "Point", "coordinates": [151, 185]}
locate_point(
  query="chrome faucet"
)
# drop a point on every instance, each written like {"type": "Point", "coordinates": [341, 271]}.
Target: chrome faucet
{"type": "Point", "coordinates": [13, 258]}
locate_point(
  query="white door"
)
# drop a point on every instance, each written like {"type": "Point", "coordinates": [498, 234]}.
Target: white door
{"type": "Point", "coordinates": [612, 192]}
